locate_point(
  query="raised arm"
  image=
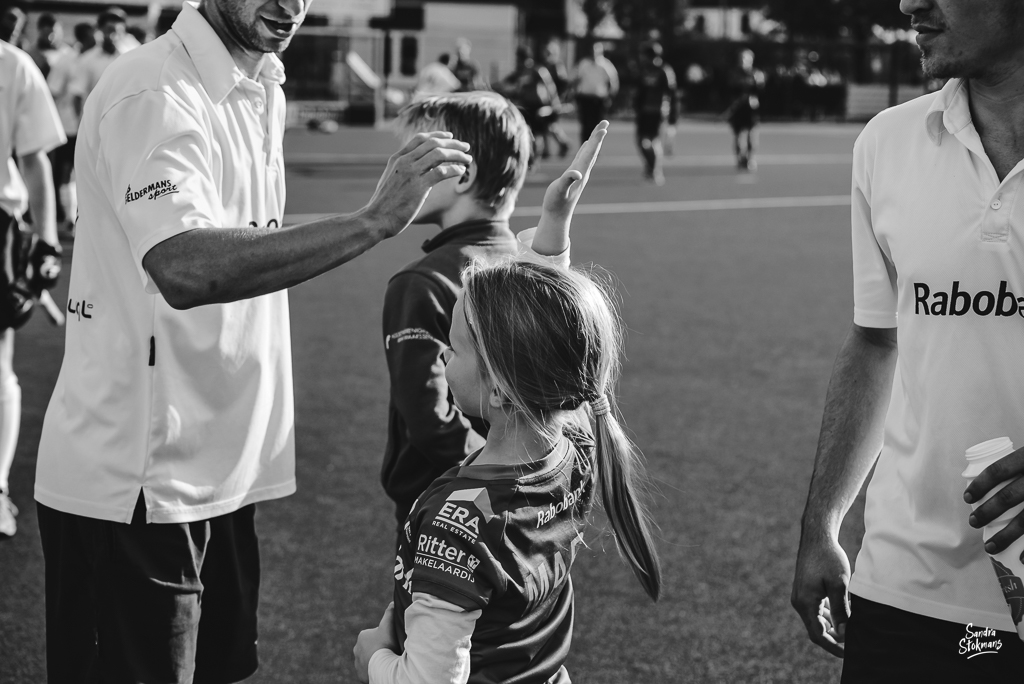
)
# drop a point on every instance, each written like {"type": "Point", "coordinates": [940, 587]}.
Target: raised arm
{"type": "Point", "coordinates": [850, 440]}
{"type": "Point", "coordinates": [561, 197]}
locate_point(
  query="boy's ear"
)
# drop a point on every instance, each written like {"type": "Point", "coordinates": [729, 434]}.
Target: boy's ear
{"type": "Point", "coordinates": [465, 182]}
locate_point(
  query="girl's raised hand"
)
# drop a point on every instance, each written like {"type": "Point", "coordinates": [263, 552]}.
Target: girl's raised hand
{"type": "Point", "coordinates": [562, 195]}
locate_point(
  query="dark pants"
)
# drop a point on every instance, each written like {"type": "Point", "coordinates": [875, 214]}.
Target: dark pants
{"type": "Point", "coordinates": [62, 163]}
{"type": "Point", "coordinates": [886, 645]}
{"type": "Point", "coordinates": [592, 111]}
{"type": "Point", "coordinates": [167, 603]}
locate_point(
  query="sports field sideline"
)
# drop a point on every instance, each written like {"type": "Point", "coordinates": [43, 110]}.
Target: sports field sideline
{"type": "Point", "coordinates": [736, 289]}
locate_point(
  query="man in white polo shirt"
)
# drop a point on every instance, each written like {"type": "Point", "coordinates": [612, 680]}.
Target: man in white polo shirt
{"type": "Point", "coordinates": [938, 225]}
{"type": "Point", "coordinates": [173, 411]}
{"type": "Point", "coordinates": [29, 128]}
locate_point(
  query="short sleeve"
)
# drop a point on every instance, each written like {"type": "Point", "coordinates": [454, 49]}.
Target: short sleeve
{"type": "Point", "coordinates": [455, 551]}
{"type": "Point", "coordinates": [162, 184]}
{"type": "Point", "coordinates": [38, 126]}
{"type": "Point", "coordinates": [874, 275]}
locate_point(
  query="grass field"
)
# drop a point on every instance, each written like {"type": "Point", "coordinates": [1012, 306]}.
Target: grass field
{"type": "Point", "coordinates": [735, 311]}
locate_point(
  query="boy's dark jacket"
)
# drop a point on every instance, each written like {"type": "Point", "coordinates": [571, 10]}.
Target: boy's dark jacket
{"type": "Point", "coordinates": [427, 434]}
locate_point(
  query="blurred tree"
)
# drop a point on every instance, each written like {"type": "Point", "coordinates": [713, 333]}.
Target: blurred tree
{"type": "Point", "coordinates": [836, 18]}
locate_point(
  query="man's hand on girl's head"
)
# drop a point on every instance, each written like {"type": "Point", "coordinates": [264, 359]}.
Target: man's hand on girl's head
{"type": "Point", "coordinates": [563, 194]}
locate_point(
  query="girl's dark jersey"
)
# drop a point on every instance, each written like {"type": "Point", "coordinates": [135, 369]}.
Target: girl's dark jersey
{"type": "Point", "coordinates": [502, 539]}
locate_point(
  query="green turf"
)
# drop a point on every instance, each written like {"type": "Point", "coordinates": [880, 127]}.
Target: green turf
{"type": "Point", "coordinates": [735, 318]}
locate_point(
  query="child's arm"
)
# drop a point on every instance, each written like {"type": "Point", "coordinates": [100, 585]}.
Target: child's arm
{"type": "Point", "coordinates": [552, 236]}
{"type": "Point", "coordinates": [436, 649]}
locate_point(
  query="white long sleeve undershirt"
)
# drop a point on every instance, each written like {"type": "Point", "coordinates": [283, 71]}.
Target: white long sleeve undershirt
{"type": "Point", "coordinates": [437, 643]}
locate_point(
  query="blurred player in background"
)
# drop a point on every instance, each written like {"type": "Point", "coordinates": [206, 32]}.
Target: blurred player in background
{"type": "Point", "coordinates": [29, 128]}
{"type": "Point", "coordinates": [436, 78]}
{"type": "Point", "coordinates": [63, 158]}
{"type": "Point", "coordinates": [551, 59]}
{"type": "Point", "coordinates": [465, 69]}
{"type": "Point", "coordinates": [113, 27]}
{"type": "Point", "coordinates": [743, 115]}
{"type": "Point", "coordinates": [49, 47]}
{"type": "Point", "coordinates": [12, 23]}
{"type": "Point", "coordinates": [655, 103]}
{"type": "Point", "coordinates": [596, 83]}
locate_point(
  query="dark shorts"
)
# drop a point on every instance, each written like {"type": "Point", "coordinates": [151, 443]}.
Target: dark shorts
{"type": "Point", "coordinates": [62, 159]}
{"type": "Point", "coordinates": [888, 645]}
{"type": "Point", "coordinates": [150, 603]}
{"type": "Point", "coordinates": [648, 126]}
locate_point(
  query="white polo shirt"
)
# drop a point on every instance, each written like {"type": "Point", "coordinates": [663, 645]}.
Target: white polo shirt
{"type": "Point", "coordinates": [192, 407]}
{"type": "Point", "coordinates": [938, 254]}
{"type": "Point", "coordinates": [28, 122]}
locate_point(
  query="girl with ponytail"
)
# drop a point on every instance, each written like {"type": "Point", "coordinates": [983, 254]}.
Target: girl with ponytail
{"type": "Point", "coordinates": [482, 585]}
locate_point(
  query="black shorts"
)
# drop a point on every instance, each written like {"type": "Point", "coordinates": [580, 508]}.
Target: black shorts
{"type": "Point", "coordinates": [62, 159]}
{"type": "Point", "coordinates": [888, 645]}
{"type": "Point", "coordinates": [648, 126]}
{"type": "Point", "coordinates": [150, 602]}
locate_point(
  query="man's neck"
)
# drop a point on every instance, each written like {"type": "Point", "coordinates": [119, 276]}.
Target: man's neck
{"type": "Point", "coordinates": [249, 61]}
{"type": "Point", "coordinates": [997, 109]}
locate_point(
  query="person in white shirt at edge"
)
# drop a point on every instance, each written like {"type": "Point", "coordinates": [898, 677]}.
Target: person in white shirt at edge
{"type": "Point", "coordinates": [436, 78]}
{"type": "Point", "coordinates": [173, 411]}
{"type": "Point", "coordinates": [116, 41]}
{"type": "Point", "coordinates": [29, 128]}
{"type": "Point", "coordinates": [937, 229]}
{"type": "Point", "coordinates": [596, 84]}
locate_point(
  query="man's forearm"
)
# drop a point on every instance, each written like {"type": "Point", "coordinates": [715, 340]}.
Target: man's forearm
{"type": "Point", "coordinates": [852, 426]}
{"type": "Point", "coordinates": [35, 169]}
{"type": "Point", "coordinates": [212, 266]}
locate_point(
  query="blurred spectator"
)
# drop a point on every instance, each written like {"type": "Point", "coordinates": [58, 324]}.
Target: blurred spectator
{"type": "Point", "coordinates": [656, 102]}
{"type": "Point", "coordinates": [465, 69]}
{"type": "Point", "coordinates": [62, 159]}
{"type": "Point", "coordinates": [12, 22]}
{"type": "Point", "coordinates": [596, 83]}
{"type": "Point", "coordinates": [436, 78]}
{"type": "Point", "coordinates": [532, 90]}
{"type": "Point", "coordinates": [551, 60]}
{"type": "Point", "coordinates": [49, 46]}
{"type": "Point", "coordinates": [138, 33]}
{"type": "Point", "coordinates": [113, 25]}
{"type": "Point", "coordinates": [743, 115]}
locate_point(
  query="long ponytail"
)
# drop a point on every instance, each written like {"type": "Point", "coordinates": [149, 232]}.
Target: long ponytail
{"type": "Point", "coordinates": [550, 341]}
{"type": "Point", "coordinates": [619, 469]}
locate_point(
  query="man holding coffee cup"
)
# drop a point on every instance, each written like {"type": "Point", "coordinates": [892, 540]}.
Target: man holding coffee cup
{"type": "Point", "coordinates": [938, 224]}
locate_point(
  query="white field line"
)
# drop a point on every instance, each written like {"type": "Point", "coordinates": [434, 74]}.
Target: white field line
{"type": "Point", "coordinates": [662, 207]}
{"type": "Point", "coordinates": [616, 161]}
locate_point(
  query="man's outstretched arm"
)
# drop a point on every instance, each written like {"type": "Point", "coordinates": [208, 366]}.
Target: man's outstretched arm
{"type": "Point", "coordinates": [217, 265]}
{"type": "Point", "coordinates": [850, 440]}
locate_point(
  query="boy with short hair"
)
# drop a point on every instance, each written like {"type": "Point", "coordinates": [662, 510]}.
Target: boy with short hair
{"type": "Point", "coordinates": [427, 434]}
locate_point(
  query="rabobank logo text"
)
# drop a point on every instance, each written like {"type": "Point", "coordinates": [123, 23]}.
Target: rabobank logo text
{"type": "Point", "coordinates": [960, 302]}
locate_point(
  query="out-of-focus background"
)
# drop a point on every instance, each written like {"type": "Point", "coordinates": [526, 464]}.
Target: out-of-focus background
{"type": "Point", "coordinates": [735, 286]}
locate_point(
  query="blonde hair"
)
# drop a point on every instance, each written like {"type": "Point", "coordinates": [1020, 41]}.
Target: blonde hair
{"type": "Point", "coordinates": [499, 139]}
{"type": "Point", "coordinates": [551, 341]}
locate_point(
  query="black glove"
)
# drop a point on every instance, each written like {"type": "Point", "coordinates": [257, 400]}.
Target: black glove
{"type": "Point", "coordinates": [46, 262]}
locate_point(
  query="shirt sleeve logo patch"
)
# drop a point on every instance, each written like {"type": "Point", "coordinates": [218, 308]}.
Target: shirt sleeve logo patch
{"type": "Point", "coordinates": [151, 191]}
{"type": "Point", "coordinates": [406, 335]}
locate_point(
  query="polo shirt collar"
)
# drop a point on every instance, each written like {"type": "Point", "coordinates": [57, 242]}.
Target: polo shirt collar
{"type": "Point", "coordinates": [216, 68]}
{"type": "Point", "coordinates": [470, 231]}
{"type": "Point", "coordinates": [950, 111]}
